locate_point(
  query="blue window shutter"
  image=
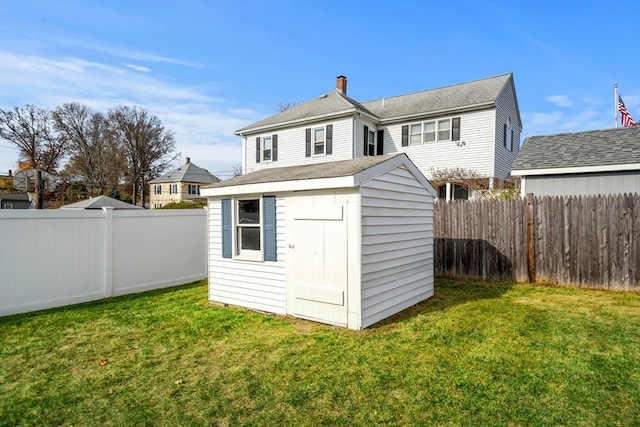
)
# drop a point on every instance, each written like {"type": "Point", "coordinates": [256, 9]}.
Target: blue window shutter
{"type": "Point", "coordinates": [329, 139]}
{"type": "Point", "coordinates": [269, 221]}
{"type": "Point", "coordinates": [226, 228]}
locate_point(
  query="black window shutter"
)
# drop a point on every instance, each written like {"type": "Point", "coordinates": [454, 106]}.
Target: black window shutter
{"type": "Point", "coordinates": [274, 148]}
{"type": "Point", "coordinates": [455, 129]}
{"type": "Point", "coordinates": [308, 139]}
{"type": "Point", "coordinates": [329, 139]}
{"type": "Point", "coordinates": [366, 140]}
{"type": "Point", "coordinates": [405, 135]}
{"type": "Point", "coordinates": [504, 135]}
{"type": "Point", "coordinates": [380, 142]}
{"type": "Point", "coordinates": [511, 140]}
{"type": "Point", "coordinates": [258, 150]}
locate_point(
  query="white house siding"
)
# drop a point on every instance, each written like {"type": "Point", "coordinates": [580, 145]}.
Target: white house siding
{"type": "Point", "coordinates": [292, 143]}
{"type": "Point", "coordinates": [583, 183]}
{"type": "Point", "coordinates": [359, 136]}
{"type": "Point", "coordinates": [477, 153]}
{"type": "Point", "coordinates": [506, 108]}
{"type": "Point", "coordinates": [397, 245]}
{"type": "Point", "coordinates": [256, 285]}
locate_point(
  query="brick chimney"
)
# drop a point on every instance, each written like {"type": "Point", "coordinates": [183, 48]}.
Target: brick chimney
{"type": "Point", "coordinates": [341, 84]}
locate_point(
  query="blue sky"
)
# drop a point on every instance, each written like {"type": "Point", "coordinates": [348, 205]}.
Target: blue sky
{"type": "Point", "coordinates": [208, 68]}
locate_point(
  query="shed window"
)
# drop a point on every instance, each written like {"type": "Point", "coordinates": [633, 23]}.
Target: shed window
{"type": "Point", "coordinates": [253, 229]}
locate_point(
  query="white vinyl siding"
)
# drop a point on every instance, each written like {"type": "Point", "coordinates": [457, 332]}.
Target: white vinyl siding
{"type": "Point", "coordinates": [359, 136]}
{"type": "Point", "coordinates": [397, 245]}
{"type": "Point", "coordinates": [506, 109]}
{"type": "Point", "coordinates": [477, 131]}
{"type": "Point", "coordinates": [256, 285]}
{"type": "Point", "coordinates": [291, 146]}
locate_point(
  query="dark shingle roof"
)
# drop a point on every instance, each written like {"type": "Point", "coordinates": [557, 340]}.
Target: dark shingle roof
{"type": "Point", "coordinates": [187, 173]}
{"type": "Point", "coordinates": [101, 202]}
{"type": "Point", "coordinates": [591, 148]}
{"type": "Point", "coordinates": [475, 94]}
{"type": "Point", "coordinates": [313, 171]}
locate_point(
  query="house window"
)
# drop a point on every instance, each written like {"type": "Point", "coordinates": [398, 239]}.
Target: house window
{"type": "Point", "coordinates": [157, 205]}
{"type": "Point", "coordinates": [508, 135]}
{"type": "Point", "coordinates": [173, 189]}
{"type": "Point", "coordinates": [371, 142]}
{"type": "Point", "coordinates": [194, 189]}
{"type": "Point", "coordinates": [431, 131]}
{"type": "Point", "coordinates": [157, 189]}
{"type": "Point", "coordinates": [318, 141]}
{"type": "Point", "coordinates": [249, 229]}
{"type": "Point", "coordinates": [266, 149]}
{"type": "Point", "coordinates": [460, 192]}
{"type": "Point", "coordinates": [8, 206]}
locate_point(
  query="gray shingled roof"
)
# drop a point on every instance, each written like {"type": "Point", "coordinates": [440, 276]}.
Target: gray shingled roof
{"type": "Point", "coordinates": [591, 148]}
{"type": "Point", "coordinates": [188, 172]}
{"type": "Point", "coordinates": [313, 171]}
{"type": "Point", "coordinates": [101, 202]}
{"type": "Point", "coordinates": [466, 95]}
{"type": "Point", "coordinates": [476, 94]}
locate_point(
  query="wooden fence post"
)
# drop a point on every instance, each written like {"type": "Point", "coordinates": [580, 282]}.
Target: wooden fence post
{"type": "Point", "coordinates": [531, 258]}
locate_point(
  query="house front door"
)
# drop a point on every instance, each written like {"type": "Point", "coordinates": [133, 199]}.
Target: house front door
{"type": "Point", "coordinates": [317, 253]}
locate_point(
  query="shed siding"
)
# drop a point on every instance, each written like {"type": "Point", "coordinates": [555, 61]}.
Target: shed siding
{"type": "Point", "coordinates": [291, 146]}
{"type": "Point", "coordinates": [583, 183]}
{"type": "Point", "coordinates": [256, 285]}
{"type": "Point", "coordinates": [477, 153]}
{"type": "Point", "coordinates": [397, 245]}
{"type": "Point", "coordinates": [506, 108]}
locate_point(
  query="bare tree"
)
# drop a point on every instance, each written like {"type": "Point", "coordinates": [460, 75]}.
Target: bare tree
{"type": "Point", "coordinates": [30, 129]}
{"type": "Point", "coordinates": [237, 170]}
{"type": "Point", "coordinates": [284, 106]}
{"type": "Point", "coordinates": [94, 155]}
{"type": "Point", "coordinates": [148, 147]}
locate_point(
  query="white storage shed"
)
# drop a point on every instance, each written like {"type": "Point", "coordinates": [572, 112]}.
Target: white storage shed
{"type": "Point", "coordinates": [346, 243]}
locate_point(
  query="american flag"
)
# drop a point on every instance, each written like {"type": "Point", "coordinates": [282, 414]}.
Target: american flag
{"type": "Point", "coordinates": [626, 118]}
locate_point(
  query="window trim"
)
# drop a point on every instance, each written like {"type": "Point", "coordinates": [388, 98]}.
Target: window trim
{"type": "Point", "coordinates": [268, 229]}
{"type": "Point", "coordinates": [247, 254]}
{"type": "Point", "coordinates": [157, 189]}
{"type": "Point", "coordinates": [264, 149]}
{"type": "Point", "coordinates": [193, 190]}
{"type": "Point", "coordinates": [173, 188]}
{"type": "Point", "coordinates": [314, 143]}
{"type": "Point", "coordinates": [435, 132]}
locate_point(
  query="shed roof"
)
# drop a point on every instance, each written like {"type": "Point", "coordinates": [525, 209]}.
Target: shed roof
{"type": "Point", "coordinates": [608, 149]}
{"type": "Point", "coordinates": [471, 95]}
{"type": "Point", "coordinates": [187, 172]}
{"type": "Point", "coordinates": [101, 202]}
{"type": "Point", "coordinates": [344, 173]}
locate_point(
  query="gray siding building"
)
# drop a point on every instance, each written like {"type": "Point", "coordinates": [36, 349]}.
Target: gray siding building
{"type": "Point", "coordinates": [582, 163]}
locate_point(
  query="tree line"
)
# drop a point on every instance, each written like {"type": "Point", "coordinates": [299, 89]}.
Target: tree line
{"type": "Point", "coordinates": [97, 153]}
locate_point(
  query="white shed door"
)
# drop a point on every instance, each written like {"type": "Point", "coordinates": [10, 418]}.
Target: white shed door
{"type": "Point", "coordinates": [317, 287]}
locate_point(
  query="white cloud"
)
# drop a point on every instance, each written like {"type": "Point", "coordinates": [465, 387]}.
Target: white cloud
{"type": "Point", "coordinates": [203, 124]}
{"type": "Point", "coordinates": [560, 100]}
{"type": "Point", "coordinates": [138, 68]}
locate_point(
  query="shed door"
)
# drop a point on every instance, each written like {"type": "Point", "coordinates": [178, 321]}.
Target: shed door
{"type": "Point", "coordinates": [317, 286]}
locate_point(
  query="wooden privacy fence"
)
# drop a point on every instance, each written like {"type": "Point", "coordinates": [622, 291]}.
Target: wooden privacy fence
{"type": "Point", "coordinates": [588, 241]}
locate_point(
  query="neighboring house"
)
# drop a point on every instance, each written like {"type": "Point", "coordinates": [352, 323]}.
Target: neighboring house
{"type": "Point", "coordinates": [593, 162]}
{"type": "Point", "coordinates": [474, 126]}
{"type": "Point", "coordinates": [347, 243]}
{"type": "Point", "coordinates": [181, 184]}
{"type": "Point", "coordinates": [15, 201]}
{"type": "Point", "coordinates": [99, 203]}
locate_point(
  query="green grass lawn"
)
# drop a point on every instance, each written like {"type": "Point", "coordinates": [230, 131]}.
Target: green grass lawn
{"type": "Point", "coordinates": [474, 354]}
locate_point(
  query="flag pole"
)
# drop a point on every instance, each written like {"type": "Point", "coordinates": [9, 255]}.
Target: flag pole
{"type": "Point", "coordinates": [615, 108]}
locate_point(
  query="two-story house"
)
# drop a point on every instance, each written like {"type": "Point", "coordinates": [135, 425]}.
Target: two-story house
{"type": "Point", "coordinates": [180, 184]}
{"type": "Point", "coordinates": [473, 126]}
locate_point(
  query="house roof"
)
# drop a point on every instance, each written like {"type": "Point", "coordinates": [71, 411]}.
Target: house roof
{"type": "Point", "coordinates": [591, 151]}
{"type": "Point", "coordinates": [339, 174]}
{"type": "Point", "coordinates": [466, 96]}
{"type": "Point", "coordinates": [18, 197]}
{"type": "Point", "coordinates": [188, 172]}
{"type": "Point", "coordinates": [101, 202]}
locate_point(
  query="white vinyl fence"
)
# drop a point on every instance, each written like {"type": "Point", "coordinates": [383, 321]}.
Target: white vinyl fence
{"type": "Point", "coordinates": [52, 258]}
